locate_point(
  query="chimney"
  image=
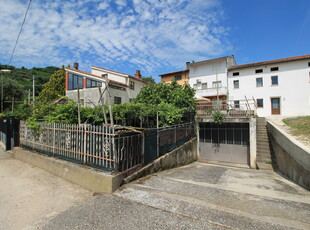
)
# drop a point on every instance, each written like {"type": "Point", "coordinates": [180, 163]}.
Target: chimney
{"type": "Point", "coordinates": [138, 74]}
{"type": "Point", "coordinates": [76, 65]}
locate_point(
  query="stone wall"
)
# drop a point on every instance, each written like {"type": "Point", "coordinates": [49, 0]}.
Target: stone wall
{"type": "Point", "coordinates": [183, 155]}
{"type": "Point", "coordinates": [292, 157]}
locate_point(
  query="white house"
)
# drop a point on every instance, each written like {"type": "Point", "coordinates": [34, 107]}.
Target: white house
{"type": "Point", "coordinates": [209, 78]}
{"type": "Point", "coordinates": [280, 86]}
{"type": "Point", "coordinates": [115, 87]}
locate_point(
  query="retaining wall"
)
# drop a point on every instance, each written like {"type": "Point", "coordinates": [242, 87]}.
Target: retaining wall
{"type": "Point", "coordinates": [182, 155]}
{"type": "Point", "coordinates": [292, 157]}
{"type": "Point", "coordinates": [89, 178]}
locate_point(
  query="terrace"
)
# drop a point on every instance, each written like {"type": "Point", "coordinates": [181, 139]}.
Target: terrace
{"type": "Point", "coordinates": [231, 109]}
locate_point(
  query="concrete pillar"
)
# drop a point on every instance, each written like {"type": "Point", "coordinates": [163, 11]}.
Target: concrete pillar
{"type": "Point", "coordinates": [253, 150]}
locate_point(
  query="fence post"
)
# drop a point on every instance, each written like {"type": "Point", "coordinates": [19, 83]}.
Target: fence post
{"type": "Point", "coordinates": [54, 136]}
{"type": "Point", "coordinates": [85, 135]}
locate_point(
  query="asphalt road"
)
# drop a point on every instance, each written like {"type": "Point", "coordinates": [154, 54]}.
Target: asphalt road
{"type": "Point", "coordinates": [197, 196]}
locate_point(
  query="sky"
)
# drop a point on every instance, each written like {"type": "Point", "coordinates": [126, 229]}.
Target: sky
{"type": "Point", "coordinates": [154, 36]}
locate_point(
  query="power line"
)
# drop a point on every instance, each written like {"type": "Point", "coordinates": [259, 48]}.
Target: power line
{"type": "Point", "coordinates": [20, 31]}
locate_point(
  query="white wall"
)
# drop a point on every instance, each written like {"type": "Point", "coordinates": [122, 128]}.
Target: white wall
{"type": "Point", "coordinates": [293, 87]}
{"type": "Point", "coordinates": [111, 75]}
{"type": "Point", "coordinates": [92, 94]}
{"type": "Point", "coordinates": [208, 72]}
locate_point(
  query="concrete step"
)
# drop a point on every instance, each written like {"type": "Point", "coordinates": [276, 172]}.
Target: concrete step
{"type": "Point", "coordinates": [264, 159]}
{"type": "Point", "coordinates": [263, 148]}
{"type": "Point", "coordinates": [264, 166]}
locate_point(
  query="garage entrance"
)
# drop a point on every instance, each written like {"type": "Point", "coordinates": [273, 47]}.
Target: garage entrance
{"type": "Point", "coordinates": [226, 142]}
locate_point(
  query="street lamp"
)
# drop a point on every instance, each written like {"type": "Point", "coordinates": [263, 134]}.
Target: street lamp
{"type": "Point", "coordinates": [3, 71]}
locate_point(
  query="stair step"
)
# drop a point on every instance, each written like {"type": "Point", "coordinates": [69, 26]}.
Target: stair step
{"type": "Point", "coordinates": [261, 165]}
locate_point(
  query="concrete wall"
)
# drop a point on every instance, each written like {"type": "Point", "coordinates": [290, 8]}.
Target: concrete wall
{"type": "Point", "coordinates": [89, 178]}
{"type": "Point", "coordinates": [292, 157]}
{"type": "Point", "coordinates": [293, 87]}
{"type": "Point", "coordinates": [183, 155]}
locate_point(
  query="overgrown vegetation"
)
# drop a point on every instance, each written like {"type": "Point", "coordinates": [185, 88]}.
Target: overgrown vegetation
{"type": "Point", "coordinates": [18, 82]}
{"type": "Point", "coordinates": [299, 125]}
{"type": "Point", "coordinates": [157, 104]}
{"type": "Point", "coordinates": [54, 88]}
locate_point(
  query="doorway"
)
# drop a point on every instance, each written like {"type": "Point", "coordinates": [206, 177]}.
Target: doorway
{"type": "Point", "coordinates": [275, 105]}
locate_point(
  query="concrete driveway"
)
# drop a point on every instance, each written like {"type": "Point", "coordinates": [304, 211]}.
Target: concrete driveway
{"type": "Point", "coordinates": [30, 196]}
{"type": "Point", "coordinates": [197, 196]}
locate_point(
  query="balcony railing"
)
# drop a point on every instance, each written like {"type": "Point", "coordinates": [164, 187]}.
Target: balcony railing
{"type": "Point", "coordinates": [211, 91]}
{"type": "Point", "coordinates": [245, 108]}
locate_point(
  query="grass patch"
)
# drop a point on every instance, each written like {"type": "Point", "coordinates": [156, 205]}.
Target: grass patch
{"type": "Point", "coordinates": [299, 125]}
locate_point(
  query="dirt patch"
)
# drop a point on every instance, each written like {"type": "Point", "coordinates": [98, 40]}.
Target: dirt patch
{"type": "Point", "coordinates": [30, 196]}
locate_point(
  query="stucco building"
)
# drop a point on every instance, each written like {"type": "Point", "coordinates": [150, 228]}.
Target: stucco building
{"type": "Point", "coordinates": [181, 77]}
{"type": "Point", "coordinates": [279, 87]}
{"type": "Point", "coordinates": [115, 87]}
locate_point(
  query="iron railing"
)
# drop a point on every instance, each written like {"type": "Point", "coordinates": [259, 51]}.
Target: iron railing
{"type": "Point", "coordinates": [239, 108]}
{"type": "Point", "coordinates": [97, 146]}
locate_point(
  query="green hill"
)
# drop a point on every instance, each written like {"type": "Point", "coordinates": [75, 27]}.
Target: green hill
{"type": "Point", "coordinates": [23, 76]}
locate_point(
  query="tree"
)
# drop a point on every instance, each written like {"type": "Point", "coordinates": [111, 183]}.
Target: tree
{"type": "Point", "coordinates": [175, 94]}
{"type": "Point", "coordinates": [149, 79]}
{"type": "Point", "coordinates": [12, 91]}
{"type": "Point", "coordinates": [54, 88]}
{"type": "Point", "coordinates": [168, 101]}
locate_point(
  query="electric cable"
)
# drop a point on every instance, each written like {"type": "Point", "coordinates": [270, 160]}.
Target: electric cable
{"type": "Point", "coordinates": [20, 31]}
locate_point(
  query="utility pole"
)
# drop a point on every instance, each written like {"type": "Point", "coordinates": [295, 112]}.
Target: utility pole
{"type": "Point", "coordinates": [33, 93]}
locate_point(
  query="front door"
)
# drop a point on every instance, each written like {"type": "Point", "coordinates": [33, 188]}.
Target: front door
{"type": "Point", "coordinates": [275, 105]}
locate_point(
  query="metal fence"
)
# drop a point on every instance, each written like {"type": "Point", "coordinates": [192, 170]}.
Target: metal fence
{"type": "Point", "coordinates": [9, 130]}
{"type": "Point", "coordinates": [96, 146]}
{"type": "Point", "coordinates": [239, 108]}
{"type": "Point", "coordinates": [163, 140]}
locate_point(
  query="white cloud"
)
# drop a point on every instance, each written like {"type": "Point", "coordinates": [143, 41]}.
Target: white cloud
{"type": "Point", "coordinates": [149, 34]}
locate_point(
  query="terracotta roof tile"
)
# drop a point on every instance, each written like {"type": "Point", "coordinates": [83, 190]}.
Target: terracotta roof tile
{"type": "Point", "coordinates": [175, 72]}
{"type": "Point", "coordinates": [275, 61]}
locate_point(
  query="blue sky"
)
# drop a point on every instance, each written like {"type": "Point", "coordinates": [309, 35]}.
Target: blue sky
{"type": "Point", "coordinates": [155, 36]}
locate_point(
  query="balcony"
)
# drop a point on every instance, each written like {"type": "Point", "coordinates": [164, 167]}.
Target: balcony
{"type": "Point", "coordinates": [211, 91]}
{"type": "Point", "coordinates": [231, 109]}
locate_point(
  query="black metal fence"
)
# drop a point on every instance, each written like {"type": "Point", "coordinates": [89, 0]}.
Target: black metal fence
{"type": "Point", "coordinates": [9, 132]}
{"type": "Point", "coordinates": [163, 140]}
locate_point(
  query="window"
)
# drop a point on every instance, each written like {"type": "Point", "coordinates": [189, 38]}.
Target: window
{"type": "Point", "coordinates": [197, 86]}
{"type": "Point", "coordinates": [116, 87]}
{"type": "Point", "coordinates": [236, 84]}
{"type": "Point", "coordinates": [274, 68]}
{"type": "Point", "coordinates": [74, 82]}
{"type": "Point", "coordinates": [260, 103]}
{"type": "Point", "coordinates": [259, 71]}
{"type": "Point", "coordinates": [178, 77]}
{"type": "Point", "coordinates": [274, 80]}
{"type": "Point", "coordinates": [216, 84]}
{"type": "Point", "coordinates": [92, 84]}
{"type": "Point", "coordinates": [236, 74]}
{"type": "Point", "coordinates": [259, 82]}
{"type": "Point", "coordinates": [131, 85]}
{"type": "Point", "coordinates": [204, 85]}
{"type": "Point", "coordinates": [237, 104]}
{"type": "Point", "coordinates": [309, 64]}
{"type": "Point", "coordinates": [117, 100]}
{"type": "Point", "coordinates": [104, 75]}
